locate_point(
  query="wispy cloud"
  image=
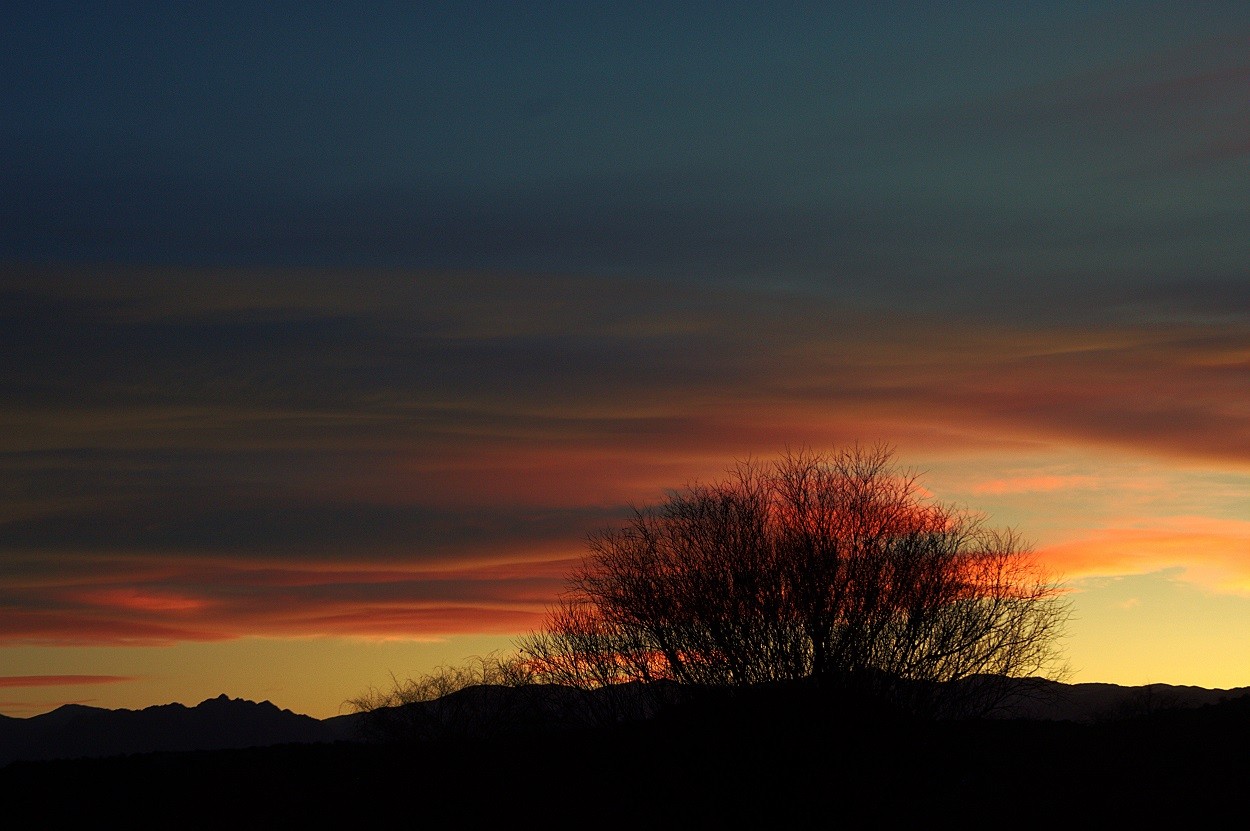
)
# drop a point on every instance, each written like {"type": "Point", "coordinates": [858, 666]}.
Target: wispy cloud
{"type": "Point", "coordinates": [160, 601]}
{"type": "Point", "coordinates": [60, 680]}
{"type": "Point", "coordinates": [1208, 552]}
{"type": "Point", "coordinates": [169, 456]}
{"type": "Point", "coordinates": [1034, 484]}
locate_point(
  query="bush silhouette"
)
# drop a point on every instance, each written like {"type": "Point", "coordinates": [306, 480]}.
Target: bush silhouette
{"type": "Point", "coordinates": [828, 567]}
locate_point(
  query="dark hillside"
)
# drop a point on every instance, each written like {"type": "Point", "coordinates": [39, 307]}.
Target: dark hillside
{"type": "Point", "coordinates": [747, 769]}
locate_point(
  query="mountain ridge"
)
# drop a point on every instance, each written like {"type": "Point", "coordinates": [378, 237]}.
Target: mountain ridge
{"type": "Point", "coordinates": [222, 723]}
{"type": "Point", "coordinates": [82, 731]}
{"type": "Point", "coordinates": [1151, 756]}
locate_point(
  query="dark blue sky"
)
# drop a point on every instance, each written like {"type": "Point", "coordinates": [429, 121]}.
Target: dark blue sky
{"type": "Point", "coordinates": [967, 154]}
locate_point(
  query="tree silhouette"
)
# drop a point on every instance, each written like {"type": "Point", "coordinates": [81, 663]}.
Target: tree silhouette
{"type": "Point", "coordinates": [833, 569]}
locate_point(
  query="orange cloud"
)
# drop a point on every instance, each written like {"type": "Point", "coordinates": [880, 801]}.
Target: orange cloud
{"type": "Point", "coordinates": [440, 474]}
{"type": "Point", "coordinates": [1033, 484]}
{"type": "Point", "coordinates": [186, 600]}
{"type": "Point", "coordinates": [143, 601]}
{"type": "Point", "coordinates": [1211, 553]}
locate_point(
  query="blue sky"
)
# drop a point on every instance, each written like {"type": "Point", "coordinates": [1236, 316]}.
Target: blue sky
{"type": "Point", "coordinates": [889, 151]}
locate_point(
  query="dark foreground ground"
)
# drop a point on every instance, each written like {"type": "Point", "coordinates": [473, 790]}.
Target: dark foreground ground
{"type": "Point", "coordinates": [1182, 769]}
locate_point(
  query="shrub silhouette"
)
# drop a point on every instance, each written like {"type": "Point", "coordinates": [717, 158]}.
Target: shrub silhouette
{"type": "Point", "coordinates": [831, 568]}
{"type": "Point", "coordinates": [452, 702]}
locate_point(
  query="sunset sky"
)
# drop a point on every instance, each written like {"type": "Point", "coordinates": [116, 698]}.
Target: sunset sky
{"type": "Point", "coordinates": [330, 330]}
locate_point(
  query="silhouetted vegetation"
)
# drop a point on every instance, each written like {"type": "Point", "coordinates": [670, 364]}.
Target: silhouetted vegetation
{"type": "Point", "coordinates": [833, 568]}
{"type": "Point", "coordinates": [751, 766]}
{"type": "Point", "coordinates": [829, 576]}
{"type": "Point", "coordinates": [438, 705]}
{"type": "Point", "coordinates": [807, 641]}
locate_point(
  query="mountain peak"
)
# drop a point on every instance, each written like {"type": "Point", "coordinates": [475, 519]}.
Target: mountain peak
{"type": "Point", "coordinates": [222, 701]}
{"type": "Point", "coordinates": [75, 730]}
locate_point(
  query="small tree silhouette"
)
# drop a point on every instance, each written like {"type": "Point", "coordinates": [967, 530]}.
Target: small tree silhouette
{"type": "Point", "coordinates": [830, 568]}
{"type": "Point", "coordinates": [436, 705]}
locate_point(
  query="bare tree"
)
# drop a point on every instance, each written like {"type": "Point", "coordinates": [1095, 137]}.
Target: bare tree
{"type": "Point", "coordinates": [833, 568]}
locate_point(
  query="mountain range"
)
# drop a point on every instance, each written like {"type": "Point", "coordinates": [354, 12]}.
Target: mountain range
{"type": "Point", "coordinates": [1084, 755]}
{"type": "Point", "coordinates": [78, 731]}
